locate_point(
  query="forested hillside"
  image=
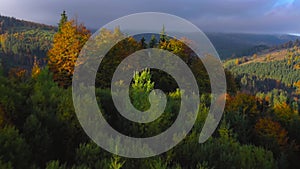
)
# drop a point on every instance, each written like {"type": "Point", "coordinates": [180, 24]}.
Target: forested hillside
{"type": "Point", "coordinates": [271, 72]}
{"type": "Point", "coordinates": [21, 42]}
{"type": "Point", "coordinates": [12, 25]}
{"type": "Point", "coordinates": [235, 45]}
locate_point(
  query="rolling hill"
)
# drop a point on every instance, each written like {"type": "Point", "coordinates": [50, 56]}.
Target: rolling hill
{"type": "Point", "coordinates": [12, 25]}
{"type": "Point", "coordinates": [234, 45]}
{"type": "Point", "coordinates": [22, 41]}
{"type": "Point", "coordinates": [269, 73]}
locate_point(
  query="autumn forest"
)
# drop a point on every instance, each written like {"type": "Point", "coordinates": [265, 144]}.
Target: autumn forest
{"type": "Point", "coordinates": [260, 127]}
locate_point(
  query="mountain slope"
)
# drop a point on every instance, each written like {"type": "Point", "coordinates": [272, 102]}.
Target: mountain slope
{"type": "Point", "coordinates": [12, 25]}
{"type": "Point", "coordinates": [232, 45]}
{"type": "Point", "coordinates": [269, 73]}
{"type": "Point", "coordinates": [22, 41]}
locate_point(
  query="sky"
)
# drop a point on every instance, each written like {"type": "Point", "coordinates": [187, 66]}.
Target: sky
{"type": "Point", "coordinates": [247, 16]}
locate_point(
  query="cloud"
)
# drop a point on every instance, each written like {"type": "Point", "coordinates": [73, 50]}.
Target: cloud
{"type": "Point", "coordinates": [261, 16]}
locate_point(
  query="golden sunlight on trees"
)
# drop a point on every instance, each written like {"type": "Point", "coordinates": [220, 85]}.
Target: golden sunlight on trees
{"type": "Point", "coordinates": [66, 47]}
{"type": "Point", "coordinates": [297, 66]}
{"type": "Point", "coordinates": [243, 103]}
{"type": "Point", "coordinates": [35, 71]}
{"type": "Point", "coordinates": [254, 56]}
{"type": "Point", "coordinates": [237, 62]}
{"type": "Point", "coordinates": [297, 85]}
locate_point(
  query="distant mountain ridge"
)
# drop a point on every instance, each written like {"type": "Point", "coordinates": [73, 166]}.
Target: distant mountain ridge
{"type": "Point", "coordinates": [22, 41]}
{"type": "Point", "coordinates": [232, 45]}
{"type": "Point", "coordinates": [228, 45]}
{"type": "Point", "coordinates": [12, 25]}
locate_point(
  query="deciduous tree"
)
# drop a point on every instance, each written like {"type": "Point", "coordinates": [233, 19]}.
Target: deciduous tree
{"type": "Point", "coordinates": [65, 50]}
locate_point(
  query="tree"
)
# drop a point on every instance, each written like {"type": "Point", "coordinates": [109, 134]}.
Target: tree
{"type": "Point", "coordinates": [271, 135]}
{"type": "Point", "coordinates": [141, 88]}
{"type": "Point", "coordinates": [297, 66]}
{"type": "Point", "coordinates": [142, 81]}
{"type": "Point", "coordinates": [254, 56]}
{"type": "Point", "coordinates": [38, 140]}
{"type": "Point", "coordinates": [116, 162]}
{"type": "Point", "coordinates": [123, 48]}
{"type": "Point", "coordinates": [143, 43]}
{"type": "Point", "coordinates": [35, 71]}
{"type": "Point", "coordinates": [13, 148]}
{"type": "Point", "coordinates": [63, 20]}
{"type": "Point", "coordinates": [66, 47]}
{"type": "Point", "coordinates": [163, 36]}
{"type": "Point", "coordinates": [297, 85]}
{"type": "Point", "coordinates": [55, 165]}
{"type": "Point", "coordinates": [237, 62]}
{"type": "Point", "coordinates": [153, 42]}
{"type": "Point", "coordinates": [92, 156]}
{"type": "Point", "coordinates": [268, 57]}
{"type": "Point", "coordinates": [1, 68]}
{"type": "Point", "coordinates": [243, 103]}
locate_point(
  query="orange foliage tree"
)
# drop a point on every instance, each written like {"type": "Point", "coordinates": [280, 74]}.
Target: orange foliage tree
{"type": "Point", "coordinates": [271, 134]}
{"type": "Point", "coordinates": [243, 103]}
{"type": "Point", "coordinates": [67, 44]}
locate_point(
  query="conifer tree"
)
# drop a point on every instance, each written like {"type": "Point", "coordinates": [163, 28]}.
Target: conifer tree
{"type": "Point", "coordinates": [153, 42]}
{"type": "Point", "coordinates": [163, 36]}
{"type": "Point", "coordinates": [63, 20]}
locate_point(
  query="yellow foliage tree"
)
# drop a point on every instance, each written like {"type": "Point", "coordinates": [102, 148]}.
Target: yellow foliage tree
{"type": "Point", "coordinates": [67, 44]}
{"type": "Point", "coordinates": [297, 66]}
{"type": "Point", "coordinates": [297, 85]}
{"type": "Point", "coordinates": [237, 62]}
{"type": "Point", "coordinates": [243, 103]}
{"type": "Point", "coordinates": [269, 57]}
{"type": "Point", "coordinates": [254, 56]}
{"type": "Point", "coordinates": [35, 71]}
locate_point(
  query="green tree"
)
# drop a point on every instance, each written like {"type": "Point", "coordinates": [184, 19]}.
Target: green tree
{"type": "Point", "coordinates": [63, 20]}
{"type": "Point", "coordinates": [13, 148]}
{"type": "Point", "coordinates": [55, 165]}
{"type": "Point", "coordinates": [141, 87]}
{"type": "Point", "coordinates": [153, 42]}
{"type": "Point", "coordinates": [163, 36]}
{"type": "Point", "coordinates": [143, 43]}
{"type": "Point", "coordinates": [116, 162]}
{"type": "Point", "coordinates": [5, 165]}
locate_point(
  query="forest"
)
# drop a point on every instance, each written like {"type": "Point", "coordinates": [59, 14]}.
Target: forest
{"type": "Point", "coordinates": [260, 127]}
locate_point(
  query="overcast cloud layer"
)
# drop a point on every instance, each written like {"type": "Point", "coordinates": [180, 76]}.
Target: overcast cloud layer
{"type": "Point", "coordinates": [256, 16]}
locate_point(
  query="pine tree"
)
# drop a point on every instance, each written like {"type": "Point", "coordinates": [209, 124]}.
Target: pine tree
{"type": "Point", "coordinates": [63, 20]}
{"type": "Point", "coordinates": [153, 42]}
{"type": "Point", "coordinates": [163, 36]}
{"type": "Point", "coordinates": [143, 43]}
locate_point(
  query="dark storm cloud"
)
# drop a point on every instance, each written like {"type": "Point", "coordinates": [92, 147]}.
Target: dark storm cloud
{"type": "Point", "coordinates": [262, 16]}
